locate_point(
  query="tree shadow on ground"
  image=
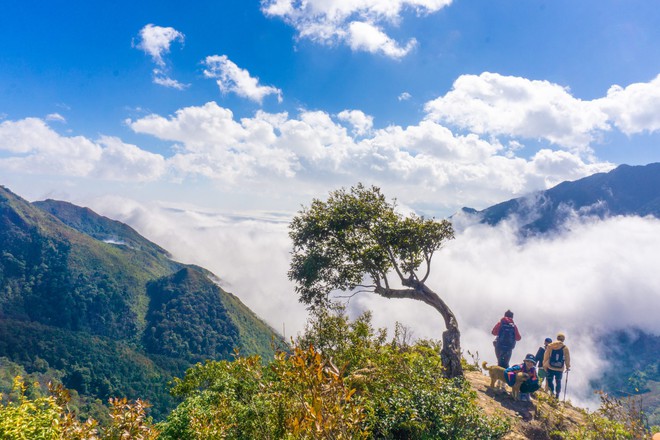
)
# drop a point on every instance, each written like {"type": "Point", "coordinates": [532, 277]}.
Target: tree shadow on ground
{"type": "Point", "coordinates": [525, 410]}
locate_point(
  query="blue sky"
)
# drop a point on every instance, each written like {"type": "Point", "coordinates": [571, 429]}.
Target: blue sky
{"type": "Point", "coordinates": [206, 125]}
{"type": "Point", "coordinates": [393, 89]}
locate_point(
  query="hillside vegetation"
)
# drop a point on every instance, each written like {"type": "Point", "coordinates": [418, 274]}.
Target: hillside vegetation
{"type": "Point", "coordinates": [342, 380]}
{"type": "Point", "coordinates": [107, 312]}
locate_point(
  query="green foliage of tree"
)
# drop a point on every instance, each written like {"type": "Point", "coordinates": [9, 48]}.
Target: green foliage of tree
{"type": "Point", "coordinates": [342, 380]}
{"type": "Point", "coordinates": [357, 235]}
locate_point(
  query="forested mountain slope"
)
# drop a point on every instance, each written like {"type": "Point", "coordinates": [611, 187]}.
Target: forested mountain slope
{"type": "Point", "coordinates": [106, 309]}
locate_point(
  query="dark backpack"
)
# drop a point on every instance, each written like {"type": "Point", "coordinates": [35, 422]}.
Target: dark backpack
{"type": "Point", "coordinates": [557, 358]}
{"type": "Point", "coordinates": [506, 337]}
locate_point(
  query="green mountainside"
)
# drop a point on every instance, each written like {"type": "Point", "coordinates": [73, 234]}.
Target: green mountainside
{"type": "Point", "coordinates": [101, 228]}
{"type": "Point", "coordinates": [105, 310]}
{"type": "Point", "coordinates": [634, 369]}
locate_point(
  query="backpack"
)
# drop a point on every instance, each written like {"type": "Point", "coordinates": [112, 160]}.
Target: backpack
{"type": "Point", "coordinates": [506, 337]}
{"type": "Point", "coordinates": [557, 358]}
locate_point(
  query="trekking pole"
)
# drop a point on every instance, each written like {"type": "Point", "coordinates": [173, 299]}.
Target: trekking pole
{"type": "Point", "coordinates": [566, 385]}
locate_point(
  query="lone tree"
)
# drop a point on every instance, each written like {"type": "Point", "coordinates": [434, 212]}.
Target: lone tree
{"type": "Point", "coordinates": [356, 242]}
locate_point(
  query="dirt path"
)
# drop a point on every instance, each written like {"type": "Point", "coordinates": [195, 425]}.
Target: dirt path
{"type": "Point", "coordinates": [529, 420]}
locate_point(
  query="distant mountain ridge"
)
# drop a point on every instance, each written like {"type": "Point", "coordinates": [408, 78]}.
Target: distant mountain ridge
{"type": "Point", "coordinates": [626, 190]}
{"type": "Point", "coordinates": [69, 276]}
{"type": "Point", "coordinates": [99, 227]}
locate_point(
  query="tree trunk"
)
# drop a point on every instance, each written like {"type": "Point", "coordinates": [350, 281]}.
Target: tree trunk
{"type": "Point", "coordinates": [451, 338]}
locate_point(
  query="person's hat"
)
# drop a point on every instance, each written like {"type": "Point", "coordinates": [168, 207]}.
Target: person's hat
{"type": "Point", "coordinates": [508, 314]}
{"type": "Point", "coordinates": [548, 340]}
{"type": "Point", "coordinates": [561, 336]}
{"type": "Point", "coordinates": [530, 357]}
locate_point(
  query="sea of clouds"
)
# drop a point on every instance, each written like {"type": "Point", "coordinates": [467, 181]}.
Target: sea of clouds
{"type": "Point", "coordinates": [591, 279]}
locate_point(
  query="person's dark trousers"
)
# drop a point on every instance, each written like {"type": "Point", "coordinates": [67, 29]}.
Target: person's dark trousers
{"type": "Point", "coordinates": [529, 387]}
{"type": "Point", "coordinates": [554, 375]}
{"type": "Point", "coordinates": [503, 356]}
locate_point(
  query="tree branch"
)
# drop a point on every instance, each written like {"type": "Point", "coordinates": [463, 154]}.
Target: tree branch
{"type": "Point", "coordinates": [427, 258]}
{"type": "Point", "coordinates": [394, 264]}
{"type": "Point", "coordinates": [398, 293]}
{"type": "Point", "coordinates": [353, 294]}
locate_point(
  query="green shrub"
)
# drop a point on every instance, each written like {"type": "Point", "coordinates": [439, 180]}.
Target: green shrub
{"type": "Point", "coordinates": [616, 419]}
{"type": "Point", "coordinates": [342, 380]}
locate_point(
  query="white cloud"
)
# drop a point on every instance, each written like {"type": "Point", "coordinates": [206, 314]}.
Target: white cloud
{"type": "Point", "coordinates": [213, 144]}
{"type": "Point", "coordinates": [417, 162]}
{"type": "Point", "coordinates": [193, 126]}
{"type": "Point", "coordinates": [497, 105]}
{"type": "Point", "coordinates": [121, 161]}
{"type": "Point", "coordinates": [55, 117]}
{"type": "Point", "coordinates": [635, 108]}
{"type": "Point", "coordinates": [558, 166]}
{"type": "Point", "coordinates": [356, 23]}
{"type": "Point", "coordinates": [231, 78]}
{"type": "Point", "coordinates": [37, 149]}
{"type": "Point", "coordinates": [162, 79]}
{"type": "Point", "coordinates": [155, 41]}
{"type": "Point", "coordinates": [40, 150]}
{"type": "Point", "coordinates": [361, 122]}
{"type": "Point", "coordinates": [512, 106]}
{"type": "Point", "coordinates": [425, 164]}
{"type": "Point", "coordinates": [404, 96]}
{"type": "Point", "coordinates": [369, 38]}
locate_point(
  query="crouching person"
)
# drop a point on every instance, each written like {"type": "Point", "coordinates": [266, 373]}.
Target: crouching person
{"type": "Point", "coordinates": [530, 385]}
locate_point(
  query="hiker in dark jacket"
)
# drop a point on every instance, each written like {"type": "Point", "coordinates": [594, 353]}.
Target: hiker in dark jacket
{"type": "Point", "coordinates": [531, 384]}
{"type": "Point", "coordinates": [507, 336]}
{"type": "Point", "coordinates": [539, 359]}
{"type": "Point", "coordinates": [556, 360]}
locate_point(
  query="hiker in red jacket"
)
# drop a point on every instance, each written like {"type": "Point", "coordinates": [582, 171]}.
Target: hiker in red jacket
{"type": "Point", "coordinates": [507, 336]}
